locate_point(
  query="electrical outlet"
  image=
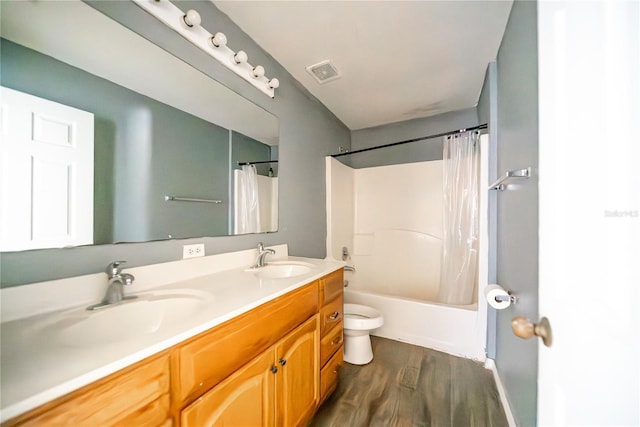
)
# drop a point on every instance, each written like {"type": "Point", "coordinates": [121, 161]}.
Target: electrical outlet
{"type": "Point", "coordinates": [193, 251]}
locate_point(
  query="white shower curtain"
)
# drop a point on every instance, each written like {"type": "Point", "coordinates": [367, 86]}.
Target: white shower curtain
{"type": "Point", "coordinates": [247, 215]}
{"type": "Point", "coordinates": [459, 261]}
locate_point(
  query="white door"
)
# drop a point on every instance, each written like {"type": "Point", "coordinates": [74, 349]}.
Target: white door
{"type": "Point", "coordinates": [589, 86]}
{"type": "Point", "coordinates": [46, 173]}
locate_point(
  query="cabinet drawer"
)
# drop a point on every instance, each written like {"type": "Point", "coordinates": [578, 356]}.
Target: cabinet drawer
{"type": "Point", "coordinates": [329, 375]}
{"type": "Point", "coordinates": [330, 315]}
{"type": "Point", "coordinates": [330, 343]}
{"type": "Point", "coordinates": [331, 286]}
{"type": "Point", "coordinates": [135, 396]}
{"type": "Point", "coordinates": [206, 360]}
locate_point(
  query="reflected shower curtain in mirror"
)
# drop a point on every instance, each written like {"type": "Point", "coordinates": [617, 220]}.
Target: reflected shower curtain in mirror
{"type": "Point", "coordinates": [458, 271]}
{"type": "Point", "coordinates": [247, 203]}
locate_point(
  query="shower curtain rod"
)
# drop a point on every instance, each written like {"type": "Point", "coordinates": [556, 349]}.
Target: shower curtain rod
{"type": "Point", "coordinates": [482, 126]}
{"type": "Point", "coordinates": [256, 163]}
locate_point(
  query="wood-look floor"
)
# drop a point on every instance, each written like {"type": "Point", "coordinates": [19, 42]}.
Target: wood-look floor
{"type": "Point", "coordinates": [407, 385]}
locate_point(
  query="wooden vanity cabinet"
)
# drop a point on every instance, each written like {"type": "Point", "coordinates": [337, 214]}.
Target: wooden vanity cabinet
{"type": "Point", "coordinates": [277, 388]}
{"type": "Point", "coordinates": [208, 358]}
{"type": "Point", "coordinates": [297, 379]}
{"type": "Point", "coordinates": [246, 398]}
{"type": "Point", "coordinates": [271, 366]}
{"type": "Point", "coordinates": [331, 331]}
{"type": "Point", "coordinates": [137, 395]}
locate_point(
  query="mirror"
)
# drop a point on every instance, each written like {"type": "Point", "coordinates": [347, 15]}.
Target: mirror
{"type": "Point", "coordinates": [162, 132]}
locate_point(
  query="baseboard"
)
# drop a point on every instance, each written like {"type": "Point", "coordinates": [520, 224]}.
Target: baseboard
{"type": "Point", "coordinates": [491, 365]}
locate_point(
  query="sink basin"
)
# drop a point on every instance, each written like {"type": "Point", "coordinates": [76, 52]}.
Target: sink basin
{"type": "Point", "coordinates": [131, 319]}
{"type": "Point", "coordinates": [282, 269]}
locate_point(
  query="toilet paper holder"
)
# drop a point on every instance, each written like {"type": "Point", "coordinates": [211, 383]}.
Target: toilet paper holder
{"type": "Point", "coordinates": [510, 297]}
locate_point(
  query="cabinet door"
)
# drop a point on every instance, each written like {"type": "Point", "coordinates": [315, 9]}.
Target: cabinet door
{"type": "Point", "coordinates": [297, 382]}
{"type": "Point", "coordinates": [206, 360]}
{"type": "Point", "coordinates": [246, 398]}
{"type": "Point", "coordinates": [136, 396]}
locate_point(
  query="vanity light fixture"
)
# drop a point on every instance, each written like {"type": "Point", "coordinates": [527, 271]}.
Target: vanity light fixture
{"type": "Point", "coordinates": [218, 39]}
{"type": "Point", "coordinates": [273, 83]}
{"type": "Point", "coordinates": [258, 71]}
{"type": "Point", "coordinates": [188, 26]}
{"type": "Point", "coordinates": [191, 18]}
{"type": "Point", "coordinates": [240, 57]}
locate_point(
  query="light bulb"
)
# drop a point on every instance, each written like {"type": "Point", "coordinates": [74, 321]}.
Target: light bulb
{"type": "Point", "coordinates": [240, 57]}
{"type": "Point", "coordinates": [219, 39]}
{"type": "Point", "coordinates": [258, 71]}
{"type": "Point", "coordinates": [192, 18]}
{"type": "Point", "coordinates": [274, 83]}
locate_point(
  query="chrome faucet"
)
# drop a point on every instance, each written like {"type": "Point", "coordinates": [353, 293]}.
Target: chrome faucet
{"type": "Point", "coordinates": [115, 291]}
{"type": "Point", "coordinates": [262, 254]}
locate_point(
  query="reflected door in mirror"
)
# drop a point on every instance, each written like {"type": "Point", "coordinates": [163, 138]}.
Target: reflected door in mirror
{"type": "Point", "coordinates": [46, 168]}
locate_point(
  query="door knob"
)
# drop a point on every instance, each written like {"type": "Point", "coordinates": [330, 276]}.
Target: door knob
{"type": "Point", "coordinates": [525, 329]}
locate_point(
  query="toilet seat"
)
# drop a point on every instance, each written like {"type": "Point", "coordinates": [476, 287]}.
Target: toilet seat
{"type": "Point", "coordinates": [361, 317]}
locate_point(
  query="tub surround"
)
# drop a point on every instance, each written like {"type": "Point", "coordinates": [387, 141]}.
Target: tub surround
{"type": "Point", "coordinates": [231, 290]}
{"type": "Point", "coordinates": [396, 251]}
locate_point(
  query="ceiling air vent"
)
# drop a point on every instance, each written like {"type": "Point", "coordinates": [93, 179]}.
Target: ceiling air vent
{"type": "Point", "coordinates": [323, 72]}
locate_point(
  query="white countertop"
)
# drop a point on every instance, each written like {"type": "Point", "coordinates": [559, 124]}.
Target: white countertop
{"type": "Point", "coordinates": [36, 368]}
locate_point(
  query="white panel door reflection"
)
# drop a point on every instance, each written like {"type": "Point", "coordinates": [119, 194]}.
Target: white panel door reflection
{"type": "Point", "coordinates": [46, 173]}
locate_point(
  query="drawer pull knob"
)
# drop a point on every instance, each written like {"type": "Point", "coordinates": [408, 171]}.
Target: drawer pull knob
{"type": "Point", "coordinates": [283, 361]}
{"type": "Point", "coordinates": [274, 369]}
{"type": "Point", "coordinates": [337, 341]}
{"type": "Point", "coordinates": [334, 315]}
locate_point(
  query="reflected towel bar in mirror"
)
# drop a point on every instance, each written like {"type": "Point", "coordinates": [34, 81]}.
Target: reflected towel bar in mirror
{"type": "Point", "coordinates": [257, 163]}
{"type": "Point", "coordinates": [189, 199]}
{"type": "Point", "coordinates": [518, 173]}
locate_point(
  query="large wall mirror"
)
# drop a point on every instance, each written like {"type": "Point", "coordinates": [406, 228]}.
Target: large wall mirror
{"type": "Point", "coordinates": [167, 145]}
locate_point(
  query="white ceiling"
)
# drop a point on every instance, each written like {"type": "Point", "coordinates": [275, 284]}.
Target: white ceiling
{"type": "Point", "coordinates": [399, 60]}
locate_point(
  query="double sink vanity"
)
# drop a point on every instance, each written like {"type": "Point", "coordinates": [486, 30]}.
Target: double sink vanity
{"type": "Point", "coordinates": [206, 341]}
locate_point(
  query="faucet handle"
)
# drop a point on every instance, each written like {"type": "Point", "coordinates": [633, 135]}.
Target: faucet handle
{"type": "Point", "coordinates": [260, 247]}
{"type": "Point", "coordinates": [127, 279]}
{"type": "Point", "coordinates": [114, 269]}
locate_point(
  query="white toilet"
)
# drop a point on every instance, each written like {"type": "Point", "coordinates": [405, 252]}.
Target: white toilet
{"type": "Point", "coordinates": [359, 320]}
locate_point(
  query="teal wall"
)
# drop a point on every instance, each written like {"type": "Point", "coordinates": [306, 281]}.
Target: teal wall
{"type": "Point", "coordinates": [144, 150]}
{"type": "Point", "coordinates": [418, 151]}
{"type": "Point", "coordinates": [308, 133]}
{"type": "Point", "coordinates": [517, 208]}
{"type": "Point", "coordinates": [488, 113]}
{"type": "Point", "coordinates": [245, 149]}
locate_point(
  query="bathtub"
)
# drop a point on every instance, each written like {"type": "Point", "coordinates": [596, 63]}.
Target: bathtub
{"type": "Point", "coordinates": [386, 222]}
{"type": "Point", "coordinates": [456, 330]}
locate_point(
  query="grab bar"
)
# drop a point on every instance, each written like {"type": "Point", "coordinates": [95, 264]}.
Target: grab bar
{"type": "Point", "coordinates": [518, 173]}
{"type": "Point", "coordinates": [188, 199]}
